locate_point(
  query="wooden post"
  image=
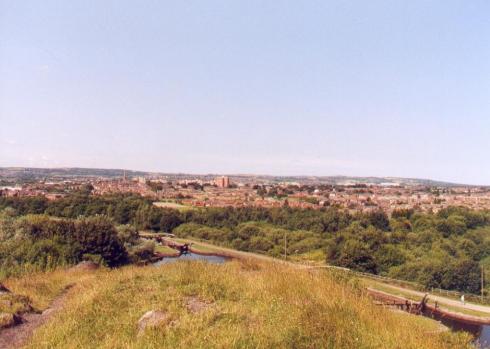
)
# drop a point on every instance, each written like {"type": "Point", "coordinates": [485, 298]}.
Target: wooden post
{"type": "Point", "coordinates": [285, 247]}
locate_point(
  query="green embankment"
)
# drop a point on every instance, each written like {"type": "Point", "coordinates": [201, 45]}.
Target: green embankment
{"type": "Point", "coordinates": [165, 249]}
{"type": "Point", "coordinates": [241, 304]}
{"type": "Point", "coordinates": [309, 260]}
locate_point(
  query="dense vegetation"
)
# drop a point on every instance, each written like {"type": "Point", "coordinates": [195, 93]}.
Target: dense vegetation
{"type": "Point", "coordinates": [442, 250]}
{"type": "Point", "coordinates": [40, 242]}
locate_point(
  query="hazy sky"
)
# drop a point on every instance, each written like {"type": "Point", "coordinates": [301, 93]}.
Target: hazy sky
{"type": "Point", "coordinates": [386, 88]}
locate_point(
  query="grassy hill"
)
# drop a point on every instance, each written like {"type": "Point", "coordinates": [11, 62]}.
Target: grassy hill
{"type": "Point", "coordinates": [241, 304]}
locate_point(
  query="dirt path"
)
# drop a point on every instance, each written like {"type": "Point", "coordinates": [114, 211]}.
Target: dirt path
{"type": "Point", "coordinates": [17, 336]}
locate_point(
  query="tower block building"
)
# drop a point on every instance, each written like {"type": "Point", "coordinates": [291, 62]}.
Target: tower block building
{"type": "Point", "coordinates": [222, 182]}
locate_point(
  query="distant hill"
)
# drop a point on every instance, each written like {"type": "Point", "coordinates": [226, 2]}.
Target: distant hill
{"type": "Point", "coordinates": [349, 180]}
{"type": "Point", "coordinates": [31, 173]}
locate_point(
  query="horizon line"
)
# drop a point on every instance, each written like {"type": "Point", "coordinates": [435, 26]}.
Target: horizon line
{"type": "Point", "coordinates": [244, 174]}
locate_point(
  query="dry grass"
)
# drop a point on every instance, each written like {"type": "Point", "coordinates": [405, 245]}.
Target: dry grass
{"type": "Point", "coordinates": [253, 305]}
{"type": "Point", "coordinates": [41, 288]}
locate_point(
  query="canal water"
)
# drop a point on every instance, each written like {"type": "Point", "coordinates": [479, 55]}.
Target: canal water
{"type": "Point", "coordinates": [481, 333]}
{"type": "Point", "coordinates": [192, 257]}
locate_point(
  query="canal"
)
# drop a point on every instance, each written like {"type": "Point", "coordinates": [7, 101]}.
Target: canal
{"type": "Point", "coordinates": [481, 333]}
{"type": "Point", "coordinates": [193, 257]}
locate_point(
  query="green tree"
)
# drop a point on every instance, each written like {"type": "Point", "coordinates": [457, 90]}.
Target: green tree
{"type": "Point", "coordinates": [169, 220]}
{"type": "Point", "coordinates": [97, 235]}
{"type": "Point", "coordinates": [355, 255]}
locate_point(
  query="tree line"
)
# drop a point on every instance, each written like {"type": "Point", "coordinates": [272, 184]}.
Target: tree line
{"type": "Point", "coordinates": [444, 250]}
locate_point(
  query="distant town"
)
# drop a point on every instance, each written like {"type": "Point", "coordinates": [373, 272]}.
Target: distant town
{"type": "Point", "coordinates": [188, 191]}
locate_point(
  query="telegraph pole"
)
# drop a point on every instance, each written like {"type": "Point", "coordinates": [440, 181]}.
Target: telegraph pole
{"type": "Point", "coordinates": [482, 282]}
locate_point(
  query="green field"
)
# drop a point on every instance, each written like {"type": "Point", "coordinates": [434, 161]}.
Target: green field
{"type": "Point", "coordinates": [164, 249]}
{"type": "Point", "coordinates": [173, 205]}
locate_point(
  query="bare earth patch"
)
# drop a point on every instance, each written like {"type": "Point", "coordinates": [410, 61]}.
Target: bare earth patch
{"type": "Point", "coordinates": [196, 305]}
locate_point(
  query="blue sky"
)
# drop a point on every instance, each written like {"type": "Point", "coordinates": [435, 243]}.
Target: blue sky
{"type": "Point", "coordinates": [384, 88]}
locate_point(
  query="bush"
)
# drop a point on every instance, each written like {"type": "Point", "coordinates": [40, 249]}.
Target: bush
{"type": "Point", "coordinates": [97, 235]}
{"type": "Point", "coordinates": [41, 243]}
